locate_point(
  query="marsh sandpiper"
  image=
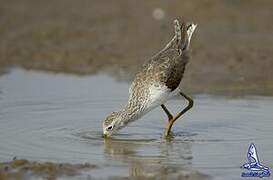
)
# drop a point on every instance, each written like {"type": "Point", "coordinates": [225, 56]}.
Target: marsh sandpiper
{"type": "Point", "coordinates": [157, 82]}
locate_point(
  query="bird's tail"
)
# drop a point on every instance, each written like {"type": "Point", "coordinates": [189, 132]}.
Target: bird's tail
{"type": "Point", "coordinates": [183, 34]}
{"type": "Point", "coordinates": [190, 29]}
{"type": "Point", "coordinates": [182, 38]}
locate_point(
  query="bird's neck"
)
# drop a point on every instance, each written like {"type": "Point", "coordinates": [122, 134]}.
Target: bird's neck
{"type": "Point", "coordinates": [130, 113]}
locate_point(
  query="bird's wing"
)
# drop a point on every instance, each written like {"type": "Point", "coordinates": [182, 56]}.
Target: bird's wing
{"type": "Point", "coordinates": [172, 65]}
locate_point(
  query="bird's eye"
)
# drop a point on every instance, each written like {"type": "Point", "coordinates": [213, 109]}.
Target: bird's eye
{"type": "Point", "coordinates": [109, 127]}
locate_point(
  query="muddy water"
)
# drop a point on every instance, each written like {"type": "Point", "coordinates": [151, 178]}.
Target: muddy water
{"type": "Point", "coordinates": [49, 117]}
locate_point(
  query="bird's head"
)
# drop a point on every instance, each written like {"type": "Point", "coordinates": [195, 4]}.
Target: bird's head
{"type": "Point", "coordinates": [112, 123]}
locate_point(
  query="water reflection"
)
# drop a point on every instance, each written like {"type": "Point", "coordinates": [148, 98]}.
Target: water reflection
{"type": "Point", "coordinates": [165, 159]}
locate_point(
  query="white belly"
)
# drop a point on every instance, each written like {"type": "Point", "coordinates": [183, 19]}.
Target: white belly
{"type": "Point", "coordinates": [159, 95]}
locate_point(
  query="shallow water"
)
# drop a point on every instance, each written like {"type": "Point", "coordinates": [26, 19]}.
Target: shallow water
{"type": "Point", "coordinates": [55, 117]}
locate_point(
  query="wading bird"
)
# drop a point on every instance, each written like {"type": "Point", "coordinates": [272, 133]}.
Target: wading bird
{"type": "Point", "coordinates": [157, 82]}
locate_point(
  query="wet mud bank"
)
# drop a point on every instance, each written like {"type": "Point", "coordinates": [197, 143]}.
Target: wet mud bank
{"type": "Point", "coordinates": [231, 50]}
{"type": "Point", "coordinates": [21, 169]}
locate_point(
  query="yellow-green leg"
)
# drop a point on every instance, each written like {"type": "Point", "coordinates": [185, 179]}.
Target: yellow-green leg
{"type": "Point", "coordinates": [170, 116]}
{"type": "Point", "coordinates": [173, 119]}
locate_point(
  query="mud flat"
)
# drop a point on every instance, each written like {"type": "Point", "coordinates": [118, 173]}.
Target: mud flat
{"type": "Point", "coordinates": [24, 169]}
{"type": "Point", "coordinates": [232, 48]}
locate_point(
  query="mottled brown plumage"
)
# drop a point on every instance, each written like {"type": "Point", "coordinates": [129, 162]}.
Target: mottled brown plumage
{"type": "Point", "coordinates": [157, 81]}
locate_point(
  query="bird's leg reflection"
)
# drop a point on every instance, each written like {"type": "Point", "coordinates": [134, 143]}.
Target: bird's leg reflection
{"type": "Point", "coordinates": [150, 158]}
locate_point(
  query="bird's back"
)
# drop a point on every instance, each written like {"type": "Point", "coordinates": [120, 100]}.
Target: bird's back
{"type": "Point", "coordinates": [164, 69]}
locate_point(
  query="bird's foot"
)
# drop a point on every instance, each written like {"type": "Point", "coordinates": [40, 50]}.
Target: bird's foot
{"type": "Point", "coordinates": [168, 132]}
{"type": "Point", "coordinates": [168, 135]}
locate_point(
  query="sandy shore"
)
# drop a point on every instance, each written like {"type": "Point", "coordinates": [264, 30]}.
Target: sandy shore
{"type": "Point", "coordinates": [232, 48]}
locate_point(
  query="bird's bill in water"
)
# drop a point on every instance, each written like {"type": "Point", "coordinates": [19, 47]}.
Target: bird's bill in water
{"type": "Point", "coordinates": [106, 134]}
